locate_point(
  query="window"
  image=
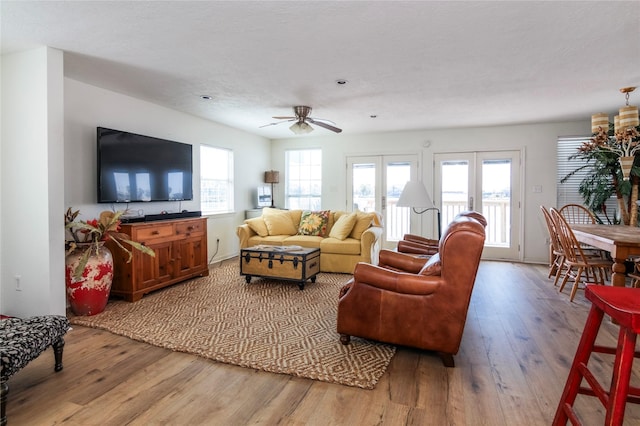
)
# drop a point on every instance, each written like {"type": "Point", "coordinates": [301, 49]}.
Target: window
{"type": "Point", "coordinates": [216, 179]}
{"type": "Point", "coordinates": [303, 187]}
{"type": "Point", "coordinates": [569, 190]}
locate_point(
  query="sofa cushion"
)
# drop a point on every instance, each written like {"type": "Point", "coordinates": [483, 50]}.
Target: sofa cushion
{"type": "Point", "coordinates": [336, 246]}
{"type": "Point", "coordinates": [433, 266]}
{"type": "Point", "coordinates": [309, 241]}
{"type": "Point", "coordinates": [343, 226]}
{"type": "Point", "coordinates": [266, 211]}
{"type": "Point", "coordinates": [258, 226]}
{"type": "Point", "coordinates": [269, 240]}
{"type": "Point", "coordinates": [363, 222]}
{"type": "Point", "coordinates": [314, 223]}
{"type": "Point", "coordinates": [279, 223]}
{"type": "Point", "coordinates": [333, 218]}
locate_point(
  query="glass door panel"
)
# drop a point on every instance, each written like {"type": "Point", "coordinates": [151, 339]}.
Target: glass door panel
{"type": "Point", "coordinates": [496, 201]}
{"type": "Point", "coordinates": [454, 188]}
{"type": "Point", "coordinates": [364, 186]}
{"type": "Point", "coordinates": [397, 219]}
{"type": "Point", "coordinates": [375, 184]}
{"type": "Point", "coordinates": [487, 182]}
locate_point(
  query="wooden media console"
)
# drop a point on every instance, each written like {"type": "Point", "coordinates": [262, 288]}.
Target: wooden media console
{"type": "Point", "coordinates": [181, 253]}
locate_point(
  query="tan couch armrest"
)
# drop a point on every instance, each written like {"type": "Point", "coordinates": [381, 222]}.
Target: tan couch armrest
{"type": "Point", "coordinates": [244, 232]}
{"type": "Point", "coordinates": [370, 244]}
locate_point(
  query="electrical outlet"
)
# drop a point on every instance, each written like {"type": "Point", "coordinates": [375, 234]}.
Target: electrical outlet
{"type": "Point", "coordinates": [18, 283]}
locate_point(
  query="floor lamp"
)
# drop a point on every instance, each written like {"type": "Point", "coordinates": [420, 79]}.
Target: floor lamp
{"type": "Point", "coordinates": [272, 177]}
{"type": "Point", "coordinates": [415, 195]}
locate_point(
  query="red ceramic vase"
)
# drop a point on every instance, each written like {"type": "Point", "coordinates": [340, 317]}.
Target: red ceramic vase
{"type": "Point", "coordinates": [89, 294]}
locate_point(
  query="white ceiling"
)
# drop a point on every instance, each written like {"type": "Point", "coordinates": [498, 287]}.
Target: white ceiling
{"type": "Point", "coordinates": [413, 64]}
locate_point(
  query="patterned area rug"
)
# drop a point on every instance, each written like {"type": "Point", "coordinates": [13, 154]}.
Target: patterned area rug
{"type": "Point", "coordinates": [268, 325]}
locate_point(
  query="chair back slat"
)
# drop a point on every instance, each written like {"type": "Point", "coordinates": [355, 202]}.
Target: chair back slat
{"type": "Point", "coordinates": [570, 245]}
{"type": "Point", "coordinates": [553, 234]}
{"type": "Point", "coordinates": [575, 213]}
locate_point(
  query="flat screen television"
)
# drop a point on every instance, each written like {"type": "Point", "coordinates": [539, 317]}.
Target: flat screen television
{"type": "Point", "coordinates": [137, 168]}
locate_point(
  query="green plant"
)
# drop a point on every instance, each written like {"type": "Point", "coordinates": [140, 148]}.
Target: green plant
{"type": "Point", "coordinates": [604, 179]}
{"type": "Point", "coordinates": [87, 236]}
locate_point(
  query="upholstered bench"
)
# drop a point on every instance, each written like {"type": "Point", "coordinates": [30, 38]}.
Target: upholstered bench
{"type": "Point", "coordinates": [22, 340]}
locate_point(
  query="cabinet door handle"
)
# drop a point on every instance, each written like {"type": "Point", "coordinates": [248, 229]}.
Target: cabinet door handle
{"type": "Point", "coordinates": [155, 232]}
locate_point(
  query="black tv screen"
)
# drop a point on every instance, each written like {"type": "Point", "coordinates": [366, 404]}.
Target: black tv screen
{"type": "Point", "coordinates": [137, 168]}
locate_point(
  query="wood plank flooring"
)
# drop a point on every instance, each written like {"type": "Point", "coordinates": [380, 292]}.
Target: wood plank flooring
{"type": "Point", "coordinates": [519, 341]}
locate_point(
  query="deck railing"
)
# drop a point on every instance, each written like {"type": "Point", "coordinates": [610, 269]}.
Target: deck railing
{"type": "Point", "coordinates": [496, 210]}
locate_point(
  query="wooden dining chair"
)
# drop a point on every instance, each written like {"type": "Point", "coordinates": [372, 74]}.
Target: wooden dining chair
{"type": "Point", "coordinates": [556, 254]}
{"type": "Point", "coordinates": [635, 274]}
{"type": "Point", "coordinates": [578, 263]}
{"type": "Point", "coordinates": [575, 213]}
{"type": "Point", "coordinates": [578, 214]}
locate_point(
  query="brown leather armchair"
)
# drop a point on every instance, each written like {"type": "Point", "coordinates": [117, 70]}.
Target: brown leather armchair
{"type": "Point", "coordinates": [416, 302]}
{"type": "Point", "coordinates": [416, 244]}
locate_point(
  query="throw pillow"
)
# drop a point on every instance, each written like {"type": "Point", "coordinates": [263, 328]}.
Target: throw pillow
{"type": "Point", "coordinates": [314, 223]}
{"type": "Point", "coordinates": [279, 224]}
{"type": "Point", "coordinates": [363, 222]}
{"type": "Point", "coordinates": [343, 226]}
{"type": "Point", "coordinates": [266, 211]}
{"type": "Point", "coordinates": [433, 266]}
{"type": "Point", "coordinates": [258, 226]}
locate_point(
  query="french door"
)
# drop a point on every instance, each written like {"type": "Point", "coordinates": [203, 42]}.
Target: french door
{"type": "Point", "coordinates": [487, 182]}
{"type": "Point", "coordinates": [374, 183]}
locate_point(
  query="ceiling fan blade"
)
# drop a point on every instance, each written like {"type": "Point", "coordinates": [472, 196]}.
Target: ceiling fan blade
{"type": "Point", "coordinates": [284, 118]}
{"type": "Point", "coordinates": [273, 124]}
{"type": "Point", "coordinates": [324, 120]}
{"type": "Point", "coordinates": [325, 125]}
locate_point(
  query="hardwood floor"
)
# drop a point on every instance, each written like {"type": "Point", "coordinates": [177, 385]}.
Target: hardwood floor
{"type": "Point", "coordinates": [519, 341]}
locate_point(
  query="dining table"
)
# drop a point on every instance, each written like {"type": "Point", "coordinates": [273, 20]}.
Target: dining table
{"type": "Point", "coordinates": [621, 241]}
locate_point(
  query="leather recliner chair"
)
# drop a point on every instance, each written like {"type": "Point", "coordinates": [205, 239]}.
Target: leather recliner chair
{"type": "Point", "coordinates": [412, 301]}
{"type": "Point", "coordinates": [416, 244]}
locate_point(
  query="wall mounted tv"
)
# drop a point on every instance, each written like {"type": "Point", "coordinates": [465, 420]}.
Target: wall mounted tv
{"type": "Point", "coordinates": [137, 168]}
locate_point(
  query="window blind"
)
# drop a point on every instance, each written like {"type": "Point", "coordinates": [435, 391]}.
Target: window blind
{"type": "Point", "coordinates": [568, 191]}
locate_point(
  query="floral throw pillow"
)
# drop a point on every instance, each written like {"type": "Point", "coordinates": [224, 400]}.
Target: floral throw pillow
{"type": "Point", "coordinates": [314, 223]}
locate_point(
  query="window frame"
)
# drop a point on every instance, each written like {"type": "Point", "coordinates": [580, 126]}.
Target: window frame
{"type": "Point", "coordinates": [305, 173]}
{"type": "Point", "coordinates": [568, 192]}
{"type": "Point", "coordinates": [225, 185]}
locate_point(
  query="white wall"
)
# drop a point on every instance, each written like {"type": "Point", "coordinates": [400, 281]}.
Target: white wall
{"type": "Point", "coordinates": [537, 141]}
{"type": "Point", "coordinates": [32, 234]}
{"type": "Point", "coordinates": [87, 107]}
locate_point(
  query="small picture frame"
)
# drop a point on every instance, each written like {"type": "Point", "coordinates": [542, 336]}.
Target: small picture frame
{"type": "Point", "coordinates": [264, 196]}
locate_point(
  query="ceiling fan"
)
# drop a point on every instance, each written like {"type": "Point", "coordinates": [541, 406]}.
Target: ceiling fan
{"type": "Point", "coordinates": [302, 120]}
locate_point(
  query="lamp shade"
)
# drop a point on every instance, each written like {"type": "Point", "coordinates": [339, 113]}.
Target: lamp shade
{"type": "Point", "coordinates": [301, 128]}
{"type": "Point", "coordinates": [271, 176]}
{"type": "Point", "coordinates": [599, 120]}
{"type": "Point", "coordinates": [629, 117]}
{"type": "Point", "coordinates": [415, 194]}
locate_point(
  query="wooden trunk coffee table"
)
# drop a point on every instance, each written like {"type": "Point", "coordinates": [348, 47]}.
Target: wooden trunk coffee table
{"type": "Point", "coordinates": [292, 263]}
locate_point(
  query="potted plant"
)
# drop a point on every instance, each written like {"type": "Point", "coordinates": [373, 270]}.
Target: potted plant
{"type": "Point", "coordinates": [89, 263]}
{"type": "Point", "coordinates": [610, 157]}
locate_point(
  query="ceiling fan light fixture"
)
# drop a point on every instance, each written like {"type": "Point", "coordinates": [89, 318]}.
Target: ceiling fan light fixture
{"type": "Point", "coordinates": [301, 128]}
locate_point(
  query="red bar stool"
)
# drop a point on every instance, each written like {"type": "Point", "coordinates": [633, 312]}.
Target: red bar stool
{"type": "Point", "coordinates": [623, 305]}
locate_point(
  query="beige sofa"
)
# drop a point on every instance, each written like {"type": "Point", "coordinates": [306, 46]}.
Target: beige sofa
{"type": "Point", "coordinates": [344, 238]}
